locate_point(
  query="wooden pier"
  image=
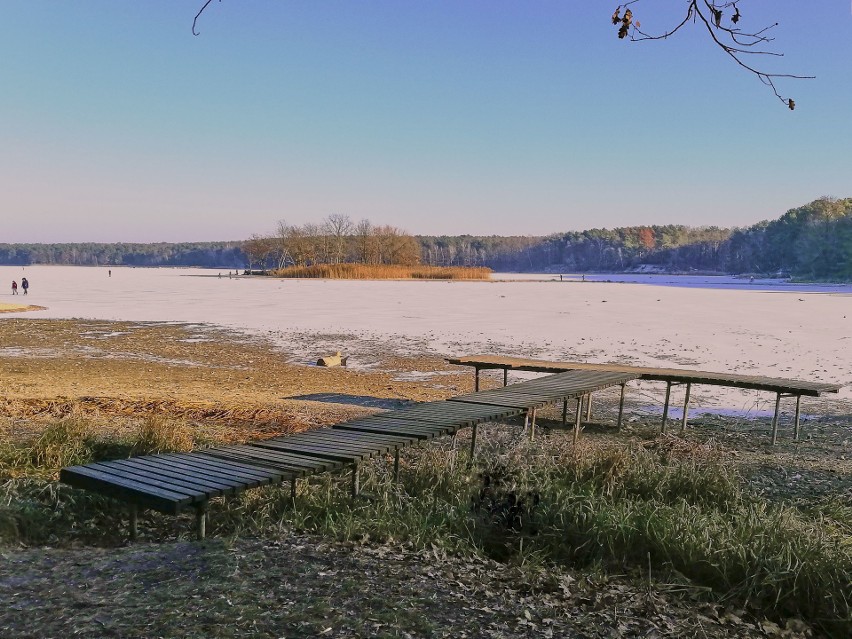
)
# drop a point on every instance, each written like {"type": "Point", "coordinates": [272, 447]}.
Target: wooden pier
{"type": "Point", "coordinates": [172, 483]}
{"type": "Point", "coordinates": [672, 376]}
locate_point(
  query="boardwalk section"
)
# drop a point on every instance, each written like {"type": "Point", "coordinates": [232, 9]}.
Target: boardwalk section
{"type": "Point", "coordinates": [672, 376]}
{"type": "Point", "coordinates": [171, 483]}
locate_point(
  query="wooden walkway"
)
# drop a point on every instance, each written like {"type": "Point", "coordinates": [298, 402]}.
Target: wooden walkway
{"type": "Point", "coordinates": [171, 483]}
{"type": "Point", "coordinates": [672, 376]}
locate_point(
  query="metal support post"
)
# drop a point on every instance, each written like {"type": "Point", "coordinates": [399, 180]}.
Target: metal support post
{"type": "Point", "coordinates": [775, 418]}
{"type": "Point", "coordinates": [356, 481]}
{"type": "Point", "coordinates": [685, 408]}
{"type": "Point", "coordinates": [796, 425]}
{"type": "Point", "coordinates": [621, 405]}
{"type": "Point", "coordinates": [577, 417]}
{"type": "Point", "coordinates": [134, 522]}
{"type": "Point", "coordinates": [201, 521]}
{"type": "Point", "coordinates": [666, 406]}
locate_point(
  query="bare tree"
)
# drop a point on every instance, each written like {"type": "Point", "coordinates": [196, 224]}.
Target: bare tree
{"type": "Point", "coordinates": [338, 227]}
{"type": "Point", "coordinates": [258, 250]}
{"type": "Point", "coordinates": [720, 20]}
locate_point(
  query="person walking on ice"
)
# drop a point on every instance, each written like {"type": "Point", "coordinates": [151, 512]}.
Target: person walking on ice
{"type": "Point", "coordinates": [25, 284]}
{"type": "Point", "coordinates": [14, 287]}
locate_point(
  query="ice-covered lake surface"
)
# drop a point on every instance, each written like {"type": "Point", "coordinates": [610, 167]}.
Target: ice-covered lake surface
{"type": "Point", "coordinates": [767, 327]}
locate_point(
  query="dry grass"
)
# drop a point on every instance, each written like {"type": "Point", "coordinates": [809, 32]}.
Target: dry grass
{"type": "Point", "coordinates": [384, 272]}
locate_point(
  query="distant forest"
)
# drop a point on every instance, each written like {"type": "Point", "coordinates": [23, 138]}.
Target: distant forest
{"type": "Point", "coordinates": [812, 242]}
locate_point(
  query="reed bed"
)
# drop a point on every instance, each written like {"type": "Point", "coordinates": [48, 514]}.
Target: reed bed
{"type": "Point", "coordinates": [384, 272]}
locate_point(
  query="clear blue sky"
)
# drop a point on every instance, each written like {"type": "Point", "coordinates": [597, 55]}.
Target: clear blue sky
{"type": "Point", "coordinates": [449, 116]}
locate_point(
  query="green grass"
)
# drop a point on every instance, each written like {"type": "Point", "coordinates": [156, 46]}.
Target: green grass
{"type": "Point", "coordinates": [683, 511]}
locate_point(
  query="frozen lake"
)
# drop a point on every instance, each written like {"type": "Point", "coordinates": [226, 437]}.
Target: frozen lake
{"type": "Point", "coordinates": [764, 327]}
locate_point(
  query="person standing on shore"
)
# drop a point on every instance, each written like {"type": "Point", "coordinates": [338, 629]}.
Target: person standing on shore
{"type": "Point", "coordinates": [25, 284]}
{"type": "Point", "coordinates": [14, 287]}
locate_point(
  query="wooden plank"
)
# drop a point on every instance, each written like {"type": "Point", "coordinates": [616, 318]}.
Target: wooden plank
{"type": "Point", "coordinates": [320, 440]}
{"type": "Point", "coordinates": [283, 469]}
{"type": "Point", "coordinates": [221, 467]}
{"type": "Point", "coordinates": [119, 468]}
{"type": "Point", "coordinates": [374, 428]}
{"type": "Point", "coordinates": [753, 382]}
{"type": "Point", "coordinates": [316, 451]}
{"type": "Point", "coordinates": [125, 489]}
{"type": "Point", "coordinates": [394, 441]}
{"type": "Point", "coordinates": [270, 458]}
{"type": "Point", "coordinates": [181, 476]}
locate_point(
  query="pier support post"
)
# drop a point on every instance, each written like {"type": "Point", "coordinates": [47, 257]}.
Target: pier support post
{"type": "Point", "coordinates": [685, 408]}
{"type": "Point", "coordinates": [621, 406]}
{"type": "Point", "coordinates": [505, 377]}
{"type": "Point", "coordinates": [666, 406]}
{"type": "Point", "coordinates": [564, 412]}
{"type": "Point", "coordinates": [577, 418]}
{"type": "Point", "coordinates": [476, 380]}
{"type": "Point", "coordinates": [356, 481]}
{"type": "Point", "coordinates": [472, 445]}
{"type": "Point", "coordinates": [532, 424]}
{"type": "Point", "coordinates": [588, 408]}
{"type": "Point", "coordinates": [134, 522]}
{"type": "Point", "coordinates": [293, 488]}
{"type": "Point", "coordinates": [775, 418]}
{"type": "Point", "coordinates": [201, 521]}
{"type": "Point", "coordinates": [798, 408]}
{"type": "Point", "coordinates": [396, 463]}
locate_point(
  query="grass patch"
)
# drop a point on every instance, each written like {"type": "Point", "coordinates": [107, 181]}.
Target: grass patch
{"type": "Point", "coordinates": [678, 508]}
{"type": "Point", "coordinates": [384, 272]}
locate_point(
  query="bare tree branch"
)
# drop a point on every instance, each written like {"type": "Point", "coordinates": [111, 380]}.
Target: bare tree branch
{"type": "Point", "coordinates": [735, 42]}
{"type": "Point", "coordinates": [195, 19]}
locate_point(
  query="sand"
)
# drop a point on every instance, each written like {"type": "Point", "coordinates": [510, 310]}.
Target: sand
{"type": "Point", "coordinates": [6, 307]}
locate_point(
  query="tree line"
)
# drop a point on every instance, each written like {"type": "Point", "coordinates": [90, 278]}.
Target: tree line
{"type": "Point", "coordinates": [812, 241]}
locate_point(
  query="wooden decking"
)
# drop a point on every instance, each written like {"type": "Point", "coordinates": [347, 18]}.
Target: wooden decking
{"type": "Point", "coordinates": [672, 376]}
{"type": "Point", "coordinates": [171, 483]}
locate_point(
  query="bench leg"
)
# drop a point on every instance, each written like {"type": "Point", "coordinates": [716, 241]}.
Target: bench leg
{"type": "Point", "coordinates": [134, 522]}
{"type": "Point", "coordinates": [201, 521]}
{"type": "Point", "coordinates": [356, 481]}
{"type": "Point", "coordinates": [577, 418]}
{"type": "Point", "coordinates": [775, 418]}
{"type": "Point", "coordinates": [666, 406]}
{"type": "Point", "coordinates": [796, 425]}
{"type": "Point", "coordinates": [685, 408]}
{"type": "Point", "coordinates": [621, 406]}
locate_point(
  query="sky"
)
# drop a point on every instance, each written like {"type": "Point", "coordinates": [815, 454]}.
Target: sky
{"type": "Point", "coordinates": [506, 117]}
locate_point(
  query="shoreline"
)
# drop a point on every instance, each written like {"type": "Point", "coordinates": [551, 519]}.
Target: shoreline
{"type": "Point", "coordinates": [7, 307]}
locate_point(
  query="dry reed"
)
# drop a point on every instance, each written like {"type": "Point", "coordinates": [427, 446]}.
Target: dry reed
{"type": "Point", "coordinates": [383, 272]}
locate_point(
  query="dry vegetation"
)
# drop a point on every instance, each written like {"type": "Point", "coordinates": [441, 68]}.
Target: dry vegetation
{"type": "Point", "coordinates": [384, 272]}
{"type": "Point", "coordinates": [716, 534]}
